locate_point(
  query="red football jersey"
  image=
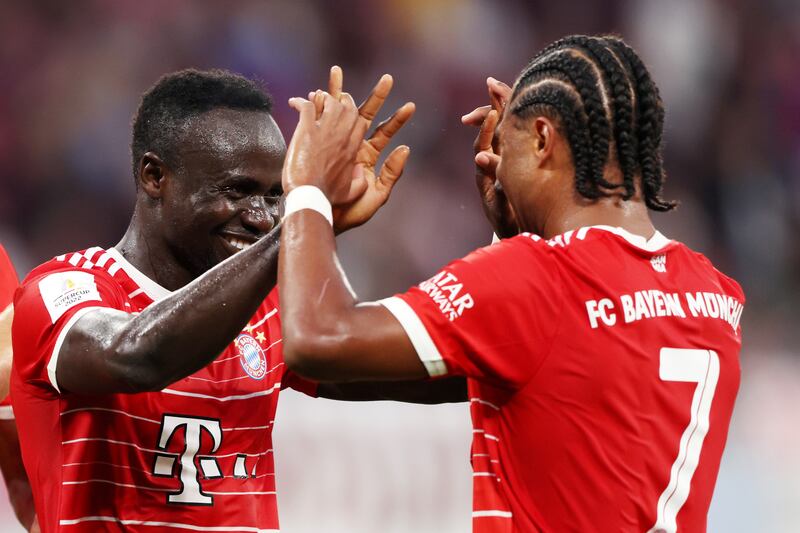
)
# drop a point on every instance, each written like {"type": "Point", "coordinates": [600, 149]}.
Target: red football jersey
{"type": "Point", "coordinates": [195, 456]}
{"type": "Point", "coordinates": [602, 368]}
{"type": "Point", "coordinates": [8, 284]}
{"type": "Point", "coordinates": [8, 279]}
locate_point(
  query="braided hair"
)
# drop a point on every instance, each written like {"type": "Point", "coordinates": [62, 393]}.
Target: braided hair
{"type": "Point", "coordinates": [602, 94]}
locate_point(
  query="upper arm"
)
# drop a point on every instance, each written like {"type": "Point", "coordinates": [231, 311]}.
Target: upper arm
{"type": "Point", "coordinates": [491, 316]}
{"type": "Point", "coordinates": [424, 391]}
{"type": "Point", "coordinates": [63, 332]}
{"type": "Point", "coordinates": [6, 317]}
{"type": "Point", "coordinates": [369, 345]}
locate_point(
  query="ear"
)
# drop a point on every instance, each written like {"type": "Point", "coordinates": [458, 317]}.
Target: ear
{"type": "Point", "coordinates": [152, 171]}
{"type": "Point", "coordinates": [544, 137]}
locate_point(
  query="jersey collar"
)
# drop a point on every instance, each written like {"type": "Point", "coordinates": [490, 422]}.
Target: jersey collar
{"type": "Point", "coordinates": [150, 287]}
{"type": "Point", "coordinates": [654, 243]}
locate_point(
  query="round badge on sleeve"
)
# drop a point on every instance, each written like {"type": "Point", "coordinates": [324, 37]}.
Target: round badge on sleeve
{"type": "Point", "coordinates": [251, 356]}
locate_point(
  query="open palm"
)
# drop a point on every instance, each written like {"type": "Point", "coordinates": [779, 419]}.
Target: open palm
{"type": "Point", "coordinates": [370, 189]}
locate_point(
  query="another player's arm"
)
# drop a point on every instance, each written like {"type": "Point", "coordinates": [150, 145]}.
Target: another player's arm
{"type": "Point", "coordinates": [328, 334]}
{"type": "Point", "coordinates": [6, 317]}
{"type": "Point", "coordinates": [109, 351]}
{"type": "Point", "coordinates": [112, 351]}
{"type": "Point", "coordinates": [17, 484]}
{"type": "Point", "coordinates": [445, 390]}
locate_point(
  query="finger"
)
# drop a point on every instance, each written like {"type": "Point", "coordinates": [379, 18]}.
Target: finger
{"type": "Point", "coordinates": [488, 162]}
{"type": "Point", "coordinates": [358, 184]}
{"type": "Point", "coordinates": [388, 128]}
{"type": "Point", "coordinates": [476, 116]}
{"type": "Point", "coordinates": [335, 81]}
{"type": "Point", "coordinates": [347, 99]}
{"type": "Point", "coordinates": [305, 108]}
{"type": "Point", "coordinates": [393, 167]}
{"type": "Point", "coordinates": [499, 93]}
{"type": "Point", "coordinates": [486, 134]}
{"type": "Point", "coordinates": [319, 101]}
{"type": "Point", "coordinates": [370, 107]}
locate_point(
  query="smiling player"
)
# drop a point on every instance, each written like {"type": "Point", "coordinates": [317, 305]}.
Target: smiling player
{"type": "Point", "coordinates": [147, 374]}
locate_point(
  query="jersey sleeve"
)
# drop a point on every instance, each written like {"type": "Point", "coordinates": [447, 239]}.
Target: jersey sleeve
{"type": "Point", "coordinates": [6, 411]}
{"type": "Point", "coordinates": [8, 280]}
{"type": "Point", "coordinates": [45, 308]}
{"type": "Point", "coordinates": [491, 316]}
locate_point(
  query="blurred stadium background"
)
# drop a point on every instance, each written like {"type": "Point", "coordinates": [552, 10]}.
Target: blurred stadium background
{"type": "Point", "coordinates": [729, 73]}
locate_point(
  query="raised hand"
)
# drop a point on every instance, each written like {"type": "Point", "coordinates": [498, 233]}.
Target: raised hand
{"type": "Point", "coordinates": [323, 147]}
{"type": "Point", "coordinates": [370, 190]}
{"type": "Point", "coordinates": [487, 157]}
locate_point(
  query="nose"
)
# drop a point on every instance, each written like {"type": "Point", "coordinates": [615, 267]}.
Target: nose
{"type": "Point", "coordinates": [258, 218]}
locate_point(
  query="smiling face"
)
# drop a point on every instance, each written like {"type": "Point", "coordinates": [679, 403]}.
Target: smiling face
{"type": "Point", "coordinates": [226, 192]}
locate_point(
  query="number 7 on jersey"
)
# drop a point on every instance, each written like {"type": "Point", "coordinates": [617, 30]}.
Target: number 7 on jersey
{"type": "Point", "coordinates": [701, 367]}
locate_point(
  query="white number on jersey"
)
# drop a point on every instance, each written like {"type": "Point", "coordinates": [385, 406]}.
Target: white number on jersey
{"type": "Point", "coordinates": [696, 366]}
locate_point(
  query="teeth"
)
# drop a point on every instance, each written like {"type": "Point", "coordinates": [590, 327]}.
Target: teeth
{"type": "Point", "coordinates": [238, 244]}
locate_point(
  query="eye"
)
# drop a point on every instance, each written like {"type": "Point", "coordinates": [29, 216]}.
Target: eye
{"type": "Point", "coordinates": [273, 193]}
{"type": "Point", "coordinates": [236, 190]}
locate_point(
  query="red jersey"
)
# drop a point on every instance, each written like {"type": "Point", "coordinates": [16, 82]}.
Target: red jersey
{"type": "Point", "coordinates": [8, 280]}
{"type": "Point", "coordinates": [8, 284]}
{"type": "Point", "coordinates": [602, 371]}
{"type": "Point", "coordinates": [195, 456]}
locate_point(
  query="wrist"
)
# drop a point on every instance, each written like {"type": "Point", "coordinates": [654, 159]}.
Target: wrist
{"type": "Point", "coordinates": [308, 197]}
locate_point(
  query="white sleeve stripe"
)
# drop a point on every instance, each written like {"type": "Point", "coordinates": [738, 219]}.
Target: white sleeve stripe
{"type": "Point", "coordinates": [492, 514]}
{"type": "Point", "coordinates": [51, 365]}
{"type": "Point", "coordinates": [6, 412]}
{"type": "Point", "coordinates": [426, 350]}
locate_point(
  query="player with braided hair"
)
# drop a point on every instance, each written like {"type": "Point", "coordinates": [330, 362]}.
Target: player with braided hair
{"type": "Point", "coordinates": [602, 358]}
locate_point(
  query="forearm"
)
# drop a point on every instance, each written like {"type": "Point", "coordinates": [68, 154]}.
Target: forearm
{"type": "Point", "coordinates": [17, 484]}
{"type": "Point", "coordinates": [178, 335]}
{"type": "Point", "coordinates": [327, 334]}
{"type": "Point", "coordinates": [316, 300]}
{"type": "Point", "coordinates": [446, 390]}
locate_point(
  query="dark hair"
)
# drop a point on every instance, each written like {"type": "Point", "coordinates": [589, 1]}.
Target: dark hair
{"type": "Point", "coordinates": [179, 96]}
{"type": "Point", "coordinates": [603, 95]}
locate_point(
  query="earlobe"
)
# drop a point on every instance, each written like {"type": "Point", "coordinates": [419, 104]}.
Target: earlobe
{"type": "Point", "coordinates": [152, 171]}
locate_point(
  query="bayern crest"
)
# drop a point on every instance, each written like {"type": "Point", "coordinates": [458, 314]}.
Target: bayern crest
{"type": "Point", "coordinates": [251, 356]}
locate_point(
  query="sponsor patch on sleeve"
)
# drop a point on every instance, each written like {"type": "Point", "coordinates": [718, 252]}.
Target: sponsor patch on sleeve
{"type": "Point", "coordinates": [64, 290]}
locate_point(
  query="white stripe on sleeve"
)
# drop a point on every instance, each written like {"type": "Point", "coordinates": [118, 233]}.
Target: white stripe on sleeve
{"type": "Point", "coordinates": [426, 349]}
{"type": "Point", "coordinates": [51, 365]}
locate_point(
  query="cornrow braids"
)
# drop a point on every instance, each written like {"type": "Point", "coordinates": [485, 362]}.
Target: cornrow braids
{"type": "Point", "coordinates": [601, 69]}
{"type": "Point", "coordinates": [650, 119]}
{"type": "Point", "coordinates": [549, 98]}
{"type": "Point", "coordinates": [622, 105]}
{"type": "Point", "coordinates": [583, 77]}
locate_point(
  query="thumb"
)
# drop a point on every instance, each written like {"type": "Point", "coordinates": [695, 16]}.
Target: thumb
{"type": "Point", "coordinates": [393, 167]}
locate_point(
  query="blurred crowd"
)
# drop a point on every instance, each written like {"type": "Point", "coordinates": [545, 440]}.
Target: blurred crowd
{"type": "Point", "coordinates": [72, 74]}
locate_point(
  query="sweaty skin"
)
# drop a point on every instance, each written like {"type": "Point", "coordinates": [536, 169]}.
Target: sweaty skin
{"type": "Point", "coordinates": [344, 339]}
{"type": "Point", "coordinates": [192, 216]}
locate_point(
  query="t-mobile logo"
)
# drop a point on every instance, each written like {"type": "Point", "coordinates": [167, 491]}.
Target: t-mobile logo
{"type": "Point", "coordinates": [164, 466]}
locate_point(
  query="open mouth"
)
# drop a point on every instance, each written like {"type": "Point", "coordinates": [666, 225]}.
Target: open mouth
{"type": "Point", "coordinates": [236, 244]}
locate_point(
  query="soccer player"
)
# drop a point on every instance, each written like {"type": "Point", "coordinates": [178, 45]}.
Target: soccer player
{"type": "Point", "coordinates": [19, 489]}
{"type": "Point", "coordinates": [146, 375]}
{"type": "Point", "coordinates": [601, 356]}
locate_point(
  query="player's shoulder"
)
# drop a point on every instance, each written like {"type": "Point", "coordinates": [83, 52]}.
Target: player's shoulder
{"type": "Point", "coordinates": [95, 260]}
{"type": "Point", "coordinates": [592, 240]}
{"type": "Point", "coordinates": [725, 283]}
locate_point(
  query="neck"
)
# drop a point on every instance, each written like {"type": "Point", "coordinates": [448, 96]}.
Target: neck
{"type": "Point", "coordinates": [146, 251]}
{"type": "Point", "coordinates": [630, 215]}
